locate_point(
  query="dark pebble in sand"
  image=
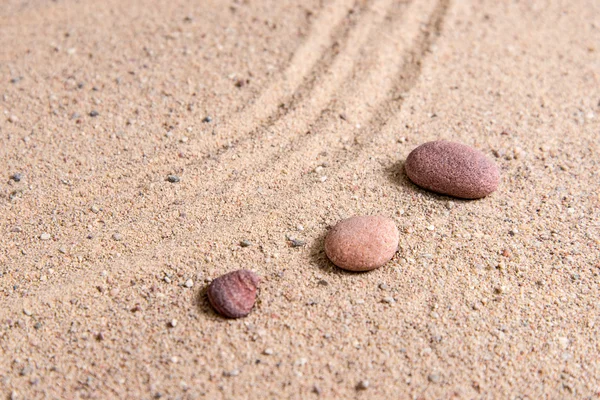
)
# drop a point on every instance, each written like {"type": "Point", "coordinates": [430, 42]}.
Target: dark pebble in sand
{"type": "Point", "coordinates": [234, 294]}
{"type": "Point", "coordinates": [16, 177]}
{"type": "Point", "coordinates": [453, 169]}
{"type": "Point", "coordinates": [362, 243]}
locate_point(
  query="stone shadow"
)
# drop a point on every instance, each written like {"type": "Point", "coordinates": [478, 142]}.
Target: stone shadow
{"type": "Point", "coordinates": [202, 304]}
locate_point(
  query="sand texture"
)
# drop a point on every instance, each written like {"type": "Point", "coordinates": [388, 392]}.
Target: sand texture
{"type": "Point", "coordinates": [160, 144]}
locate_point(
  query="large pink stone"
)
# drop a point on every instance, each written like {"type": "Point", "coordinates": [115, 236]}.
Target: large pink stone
{"type": "Point", "coordinates": [453, 169]}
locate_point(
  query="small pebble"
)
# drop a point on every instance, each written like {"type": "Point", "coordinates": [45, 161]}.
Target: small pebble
{"type": "Point", "coordinates": [173, 178]}
{"type": "Point", "coordinates": [94, 113]}
{"type": "Point", "coordinates": [297, 243]}
{"type": "Point", "coordinates": [173, 323]}
{"type": "Point", "coordinates": [388, 300]}
{"type": "Point", "coordinates": [234, 294]}
{"type": "Point", "coordinates": [45, 236]}
{"type": "Point", "coordinates": [500, 289]}
{"type": "Point", "coordinates": [362, 385]}
{"type": "Point", "coordinates": [117, 236]}
{"type": "Point", "coordinates": [189, 283]}
{"type": "Point", "coordinates": [434, 378]}
{"type": "Point", "coordinates": [95, 209]}
{"type": "Point", "coordinates": [245, 243]}
{"type": "Point", "coordinates": [13, 119]}
{"type": "Point", "coordinates": [207, 119]}
{"type": "Point", "coordinates": [16, 177]}
{"type": "Point", "coordinates": [362, 243]}
{"type": "Point", "coordinates": [384, 286]}
{"type": "Point", "coordinates": [268, 351]}
{"type": "Point", "coordinates": [453, 169]}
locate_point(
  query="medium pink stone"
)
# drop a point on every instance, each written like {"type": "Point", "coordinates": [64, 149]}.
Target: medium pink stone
{"type": "Point", "coordinates": [234, 294]}
{"type": "Point", "coordinates": [453, 169]}
{"type": "Point", "coordinates": [362, 243]}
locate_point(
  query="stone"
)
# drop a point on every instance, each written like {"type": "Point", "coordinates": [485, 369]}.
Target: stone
{"type": "Point", "coordinates": [452, 169]}
{"type": "Point", "coordinates": [362, 243]}
{"type": "Point", "coordinates": [233, 295]}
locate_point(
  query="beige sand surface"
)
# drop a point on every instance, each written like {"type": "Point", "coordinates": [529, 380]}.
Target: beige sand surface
{"type": "Point", "coordinates": [314, 107]}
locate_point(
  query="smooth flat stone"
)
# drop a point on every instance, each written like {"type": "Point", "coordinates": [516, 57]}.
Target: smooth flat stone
{"type": "Point", "coordinates": [362, 243]}
{"type": "Point", "coordinates": [453, 169]}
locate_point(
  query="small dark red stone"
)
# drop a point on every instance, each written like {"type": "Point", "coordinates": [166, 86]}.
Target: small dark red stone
{"type": "Point", "coordinates": [234, 294]}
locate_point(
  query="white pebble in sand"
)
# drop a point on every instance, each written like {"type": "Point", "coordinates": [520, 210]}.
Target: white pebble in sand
{"type": "Point", "coordinates": [45, 236]}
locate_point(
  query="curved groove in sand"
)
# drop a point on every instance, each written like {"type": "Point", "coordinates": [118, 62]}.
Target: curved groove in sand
{"type": "Point", "coordinates": [386, 58]}
{"type": "Point", "coordinates": [313, 49]}
{"type": "Point", "coordinates": [323, 78]}
{"type": "Point", "coordinates": [405, 77]}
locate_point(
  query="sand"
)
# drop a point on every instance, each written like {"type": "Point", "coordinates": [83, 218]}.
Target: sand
{"type": "Point", "coordinates": [313, 108]}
